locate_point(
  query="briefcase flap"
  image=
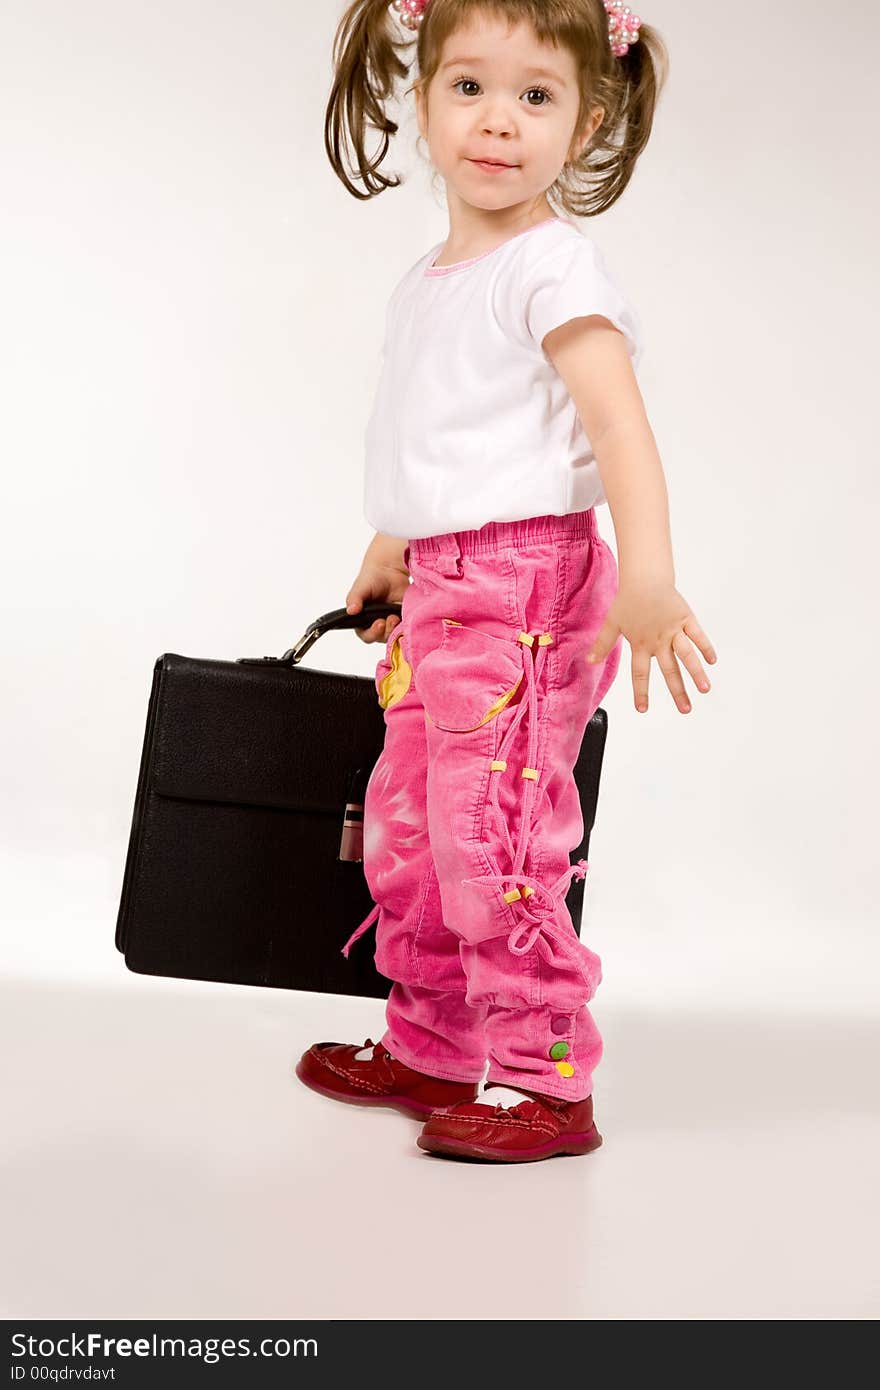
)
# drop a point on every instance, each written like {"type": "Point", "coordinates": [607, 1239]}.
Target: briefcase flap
{"type": "Point", "coordinates": [285, 736]}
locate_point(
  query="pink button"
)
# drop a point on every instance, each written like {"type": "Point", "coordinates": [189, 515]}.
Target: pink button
{"type": "Point", "coordinates": [559, 1025]}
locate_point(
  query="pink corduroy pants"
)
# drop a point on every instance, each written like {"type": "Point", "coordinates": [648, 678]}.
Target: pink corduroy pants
{"type": "Point", "coordinates": [472, 811]}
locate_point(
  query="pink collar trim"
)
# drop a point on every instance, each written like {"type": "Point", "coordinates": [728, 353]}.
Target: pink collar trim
{"type": "Point", "coordinates": [432, 269]}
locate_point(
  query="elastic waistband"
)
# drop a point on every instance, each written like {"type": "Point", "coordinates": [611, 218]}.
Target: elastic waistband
{"type": "Point", "coordinates": [501, 535]}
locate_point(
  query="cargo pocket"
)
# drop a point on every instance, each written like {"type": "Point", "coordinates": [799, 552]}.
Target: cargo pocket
{"type": "Point", "coordinates": [393, 672]}
{"type": "Point", "coordinates": [469, 678]}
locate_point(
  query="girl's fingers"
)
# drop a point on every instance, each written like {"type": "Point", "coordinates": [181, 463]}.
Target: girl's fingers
{"type": "Point", "coordinates": [641, 669]}
{"type": "Point", "coordinates": [380, 630]}
{"type": "Point", "coordinates": [669, 666]}
{"type": "Point", "coordinates": [700, 639]}
{"type": "Point", "coordinates": [686, 654]}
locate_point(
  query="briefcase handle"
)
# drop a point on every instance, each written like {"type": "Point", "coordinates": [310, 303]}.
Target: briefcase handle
{"type": "Point", "coordinates": [337, 617]}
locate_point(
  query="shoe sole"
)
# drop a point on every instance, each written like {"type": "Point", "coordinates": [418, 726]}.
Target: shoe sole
{"type": "Point", "coordinates": [567, 1145]}
{"type": "Point", "coordinates": [415, 1109]}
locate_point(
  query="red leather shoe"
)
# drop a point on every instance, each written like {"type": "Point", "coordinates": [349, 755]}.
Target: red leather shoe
{"type": "Point", "coordinates": [333, 1069]}
{"type": "Point", "coordinates": [541, 1127]}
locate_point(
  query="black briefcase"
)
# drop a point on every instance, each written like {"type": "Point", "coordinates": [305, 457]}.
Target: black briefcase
{"type": "Point", "coordinates": [243, 862]}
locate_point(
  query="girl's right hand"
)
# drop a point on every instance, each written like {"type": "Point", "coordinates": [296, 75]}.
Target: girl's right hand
{"type": "Point", "coordinates": [378, 583]}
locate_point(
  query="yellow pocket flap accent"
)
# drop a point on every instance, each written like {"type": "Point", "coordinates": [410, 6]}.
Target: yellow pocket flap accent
{"type": "Point", "coordinates": [396, 682]}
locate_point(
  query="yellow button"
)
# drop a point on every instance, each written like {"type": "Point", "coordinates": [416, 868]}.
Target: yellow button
{"type": "Point", "coordinates": [565, 1068]}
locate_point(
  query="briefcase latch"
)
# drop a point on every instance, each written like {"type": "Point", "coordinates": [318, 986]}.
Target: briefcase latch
{"type": "Point", "coordinates": [290, 658]}
{"type": "Point", "coordinates": [299, 649]}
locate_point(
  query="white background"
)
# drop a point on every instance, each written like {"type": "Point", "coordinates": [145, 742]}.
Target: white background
{"type": "Point", "coordinates": [191, 317]}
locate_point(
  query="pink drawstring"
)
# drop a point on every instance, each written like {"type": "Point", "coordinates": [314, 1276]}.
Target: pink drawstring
{"type": "Point", "coordinates": [540, 922]}
{"type": "Point", "coordinates": [533, 669]}
{"type": "Point", "coordinates": [536, 918]}
{"type": "Point", "coordinates": [364, 926]}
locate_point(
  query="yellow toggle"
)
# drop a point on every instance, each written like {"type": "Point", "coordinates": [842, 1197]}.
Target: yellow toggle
{"type": "Point", "coordinates": [497, 765]}
{"type": "Point", "coordinates": [515, 893]}
{"type": "Point", "coordinates": [531, 773]}
{"type": "Point", "coordinates": [527, 638]}
{"type": "Point", "coordinates": [545, 639]}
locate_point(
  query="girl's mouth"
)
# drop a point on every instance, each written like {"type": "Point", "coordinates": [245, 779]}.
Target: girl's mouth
{"type": "Point", "coordinates": [492, 166]}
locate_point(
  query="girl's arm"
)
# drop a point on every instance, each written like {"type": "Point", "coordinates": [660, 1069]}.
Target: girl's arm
{"type": "Point", "coordinates": [387, 549]}
{"type": "Point", "coordinates": [592, 357]}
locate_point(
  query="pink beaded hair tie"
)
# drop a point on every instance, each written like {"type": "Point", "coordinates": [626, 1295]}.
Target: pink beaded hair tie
{"type": "Point", "coordinates": [623, 25]}
{"type": "Point", "coordinates": [410, 12]}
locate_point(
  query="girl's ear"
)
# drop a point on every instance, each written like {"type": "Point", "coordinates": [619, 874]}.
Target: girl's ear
{"type": "Point", "coordinates": [421, 112]}
{"type": "Point", "coordinates": [582, 140]}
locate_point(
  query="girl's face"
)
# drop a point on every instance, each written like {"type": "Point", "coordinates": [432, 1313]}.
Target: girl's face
{"type": "Point", "coordinates": [500, 95]}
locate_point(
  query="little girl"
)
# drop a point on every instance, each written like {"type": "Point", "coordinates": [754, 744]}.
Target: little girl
{"type": "Point", "coordinates": [506, 412]}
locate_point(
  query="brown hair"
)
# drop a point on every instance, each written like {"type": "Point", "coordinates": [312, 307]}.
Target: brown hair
{"type": "Point", "coordinates": [368, 57]}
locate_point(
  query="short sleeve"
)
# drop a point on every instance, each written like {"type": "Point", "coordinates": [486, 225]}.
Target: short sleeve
{"type": "Point", "coordinates": [571, 281]}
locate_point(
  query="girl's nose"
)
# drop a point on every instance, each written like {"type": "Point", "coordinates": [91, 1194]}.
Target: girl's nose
{"type": "Point", "coordinates": [496, 117]}
{"type": "Point", "coordinates": [497, 125]}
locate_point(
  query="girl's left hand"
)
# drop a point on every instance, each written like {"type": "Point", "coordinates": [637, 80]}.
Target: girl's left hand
{"type": "Point", "coordinates": [657, 622]}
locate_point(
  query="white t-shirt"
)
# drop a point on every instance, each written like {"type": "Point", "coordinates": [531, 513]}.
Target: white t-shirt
{"type": "Point", "coordinates": [471, 421]}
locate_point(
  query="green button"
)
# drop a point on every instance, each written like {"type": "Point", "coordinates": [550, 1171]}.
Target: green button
{"type": "Point", "coordinates": [558, 1050]}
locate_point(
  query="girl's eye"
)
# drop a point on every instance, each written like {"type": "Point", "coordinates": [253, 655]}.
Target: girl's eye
{"type": "Point", "coordinates": [472, 82]}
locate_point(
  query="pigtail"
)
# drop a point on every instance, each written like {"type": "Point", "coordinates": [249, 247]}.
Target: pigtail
{"type": "Point", "coordinates": [366, 64]}
{"type": "Point", "coordinates": [628, 87]}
